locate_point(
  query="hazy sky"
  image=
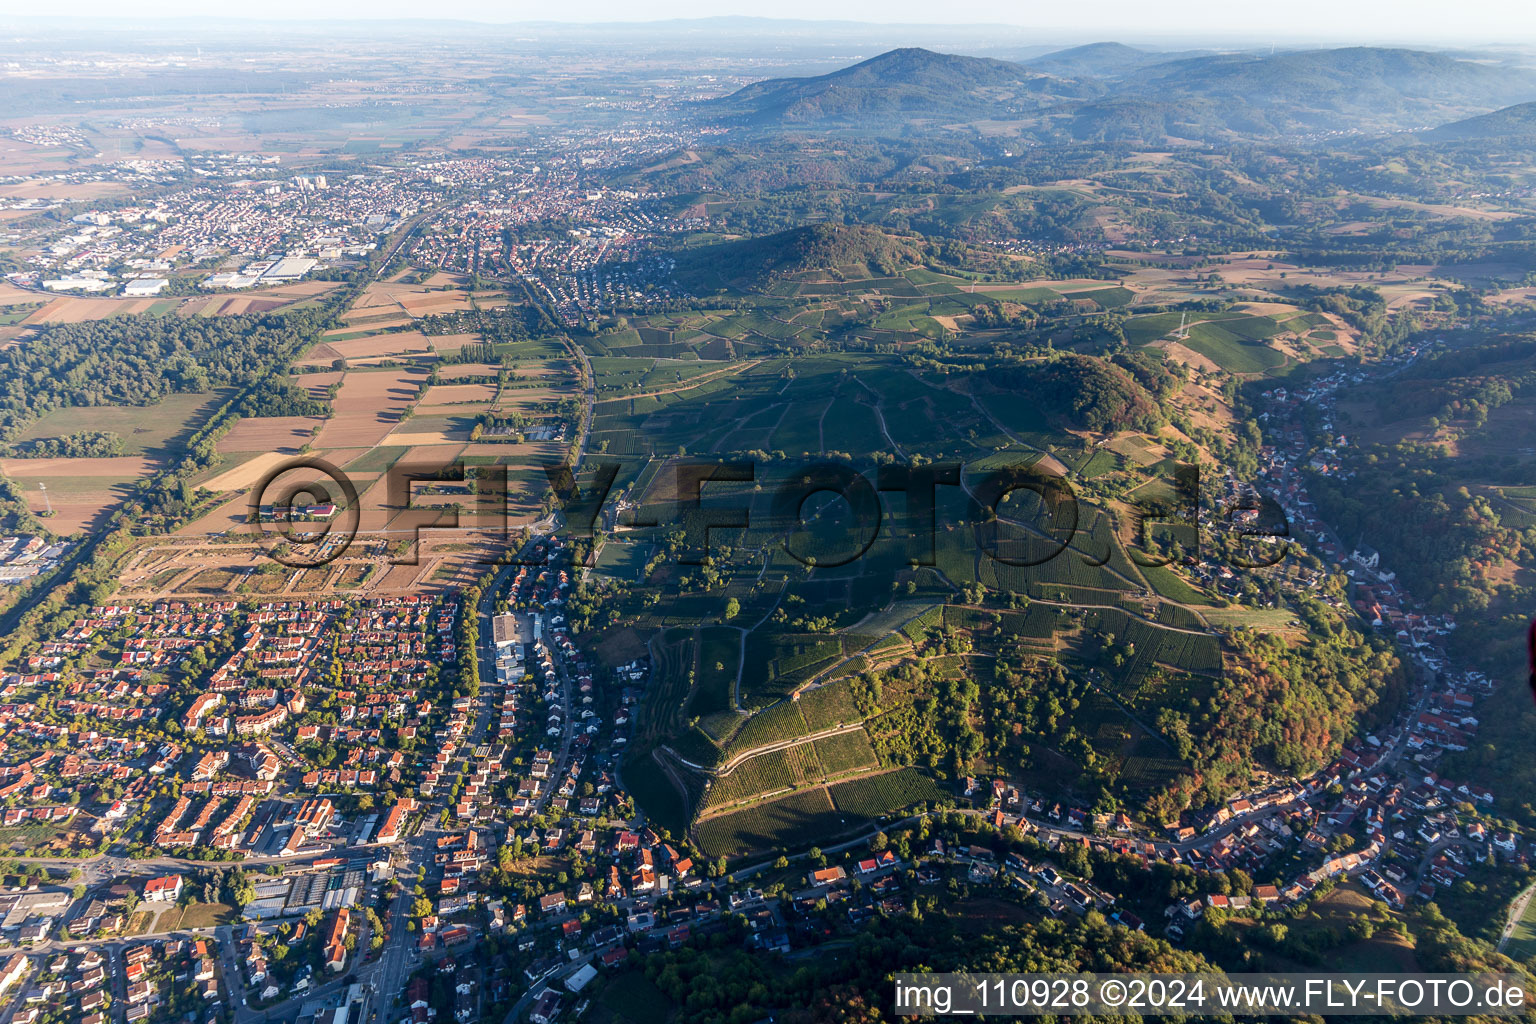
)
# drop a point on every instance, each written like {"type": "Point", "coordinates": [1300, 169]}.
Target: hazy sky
{"type": "Point", "coordinates": [1487, 21]}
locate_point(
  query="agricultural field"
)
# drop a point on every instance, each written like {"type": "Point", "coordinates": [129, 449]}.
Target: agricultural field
{"type": "Point", "coordinates": [446, 398]}
{"type": "Point", "coordinates": [82, 493]}
{"type": "Point", "coordinates": [441, 294]}
{"type": "Point", "coordinates": [287, 434]}
{"type": "Point", "coordinates": [873, 796]}
{"type": "Point", "coordinates": [157, 431]}
{"type": "Point", "coordinates": [719, 657]}
{"type": "Point", "coordinates": [787, 823]}
{"type": "Point", "coordinates": [380, 415]}
{"type": "Point", "coordinates": [364, 348]}
{"type": "Point", "coordinates": [776, 664]}
{"type": "Point", "coordinates": [762, 774]}
{"type": "Point", "coordinates": [846, 752]}
{"type": "Point", "coordinates": [776, 724]}
{"type": "Point", "coordinates": [369, 405]}
{"type": "Point", "coordinates": [70, 309]}
{"type": "Point", "coordinates": [244, 472]}
{"type": "Point", "coordinates": [828, 706]}
{"type": "Point", "coordinates": [272, 299]}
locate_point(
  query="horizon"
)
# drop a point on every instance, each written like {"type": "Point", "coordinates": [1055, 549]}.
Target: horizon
{"type": "Point", "coordinates": [1480, 26]}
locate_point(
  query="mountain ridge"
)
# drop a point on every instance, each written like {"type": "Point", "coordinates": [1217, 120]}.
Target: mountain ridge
{"type": "Point", "coordinates": [1119, 92]}
{"type": "Point", "coordinates": [908, 81]}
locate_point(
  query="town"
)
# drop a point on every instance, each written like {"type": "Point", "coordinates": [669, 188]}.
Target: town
{"type": "Point", "coordinates": [402, 620]}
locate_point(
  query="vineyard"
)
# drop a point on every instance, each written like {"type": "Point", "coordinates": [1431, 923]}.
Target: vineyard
{"type": "Point", "coordinates": [658, 717]}
{"type": "Point", "coordinates": [892, 646]}
{"type": "Point", "coordinates": [918, 628]}
{"type": "Point", "coordinates": [874, 795]}
{"type": "Point", "coordinates": [846, 752]}
{"type": "Point", "coordinates": [719, 655]}
{"type": "Point", "coordinates": [1152, 646]}
{"type": "Point", "coordinates": [762, 774]}
{"type": "Point", "coordinates": [1171, 585]}
{"type": "Point", "coordinates": [781, 722]}
{"type": "Point", "coordinates": [806, 657]}
{"type": "Point", "coordinates": [797, 766]}
{"type": "Point", "coordinates": [803, 762]}
{"type": "Point", "coordinates": [829, 706]}
{"type": "Point", "coordinates": [777, 664]}
{"type": "Point", "coordinates": [791, 822]}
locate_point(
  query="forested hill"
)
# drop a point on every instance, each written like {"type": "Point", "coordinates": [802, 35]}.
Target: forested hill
{"type": "Point", "coordinates": [1355, 88]}
{"type": "Point", "coordinates": [909, 82]}
{"type": "Point", "coordinates": [1087, 393]}
{"type": "Point", "coordinates": [1352, 79]}
{"type": "Point", "coordinates": [1110, 91]}
{"type": "Point", "coordinates": [1099, 60]}
{"type": "Point", "coordinates": [754, 262]}
{"type": "Point", "coordinates": [1510, 127]}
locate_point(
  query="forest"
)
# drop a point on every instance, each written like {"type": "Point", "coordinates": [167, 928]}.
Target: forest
{"type": "Point", "coordinates": [1441, 492]}
{"type": "Point", "coordinates": [139, 360]}
{"type": "Point", "coordinates": [84, 444]}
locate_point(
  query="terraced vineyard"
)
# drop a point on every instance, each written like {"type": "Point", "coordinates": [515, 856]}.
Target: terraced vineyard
{"type": "Point", "coordinates": [876, 795]}
{"type": "Point", "coordinates": [765, 773]}
{"type": "Point", "coordinates": [780, 824]}
{"type": "Point", "coordinates": [846, 752]}
{"type": "Point", "coordinates": [828, 706]}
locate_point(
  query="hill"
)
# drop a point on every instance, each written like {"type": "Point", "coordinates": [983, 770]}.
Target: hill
{"type": "Point", "coordinates": [1321, 90]}
{"type": "Point", "coordinates": [906, 83]}
{"type": "Point", "coordinates": [1108, 91]}
{"type": "Point", "coordinates": [1098, 60]}
{"type": "Point", "coordinates": [1080, 392]}
{"type": "Point", "coordinates": [1089, 393]}
{"type": "Point", "coordinates": [1512, 126]}
{"type": "Point", "coordinates": [752, 263]}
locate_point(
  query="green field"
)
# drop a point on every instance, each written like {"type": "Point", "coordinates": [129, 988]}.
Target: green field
{"type": "Point", "coordinates": [719, 656]}
{"type": "Point", "coordinates": [204, 915]}
{"type": "Point", "coordinates": [782, 721]}
{"type": "Point", "coordinates": [156, 430]}
{"type": "Point", "coordinates": [1025, 295]}
{"type": "Point", "coordinates": [623, 559]}
{"type": "Point", "coordinates": [377, 460]}
{"type": "Point", "coordinates": [1521, 946]}
{"type": "Point", "coordinates": [16, 314]}
{"type": "Point", "coordinates": [776, 664]}
{"type": "Point", "coordinates": [766, 773]}
{"type": "Point", "coordinates": [1235, 345]}
{"type": "Point", "coordinates": [631, 998]}
{"type": "Point", "coordinates": [827, 707]}
{"type": "Point", "coordinates": [1109, 298]}
{"type": "Point", "coordinates": [1172, 586]}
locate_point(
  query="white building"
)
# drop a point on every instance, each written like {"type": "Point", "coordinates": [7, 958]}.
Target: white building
{"type": "Point", "coordinates": [289, 268]}
{"type": "Point", "coordinates": [229, 281]}
{"type": "Point", "coordinates": [73, 284]}
{"type": "Point", "coordinates": [145, 287]}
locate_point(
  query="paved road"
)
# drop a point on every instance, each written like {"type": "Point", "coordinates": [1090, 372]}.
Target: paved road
{"type": "Point", "coordinates": [1516, 912]}
{"type": "Point", "coordinates": [526, 999]}
{"type": "Point", "coordinates": [589, 394]}
{"type": "Point", "coordinates": [769, 748]}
